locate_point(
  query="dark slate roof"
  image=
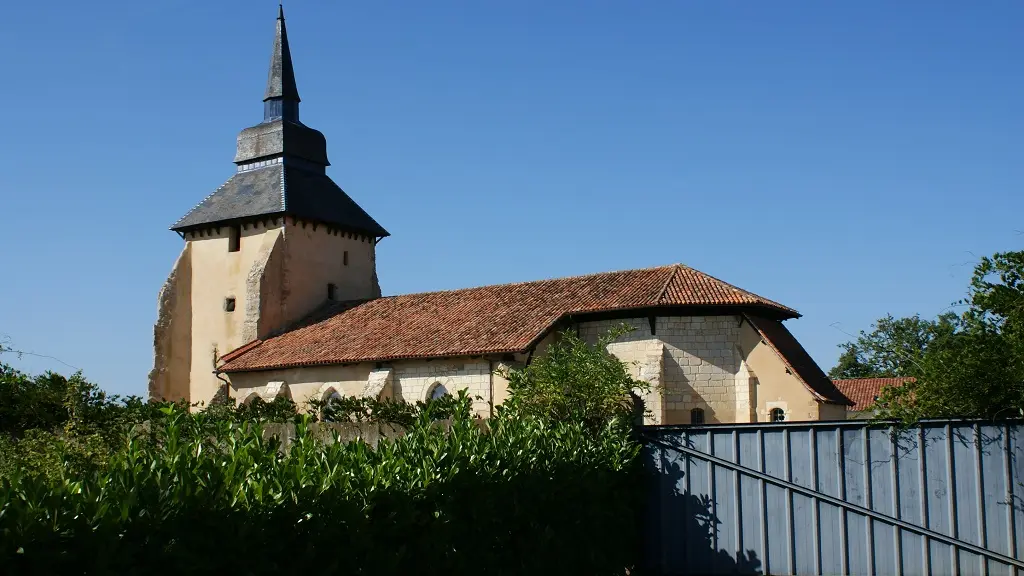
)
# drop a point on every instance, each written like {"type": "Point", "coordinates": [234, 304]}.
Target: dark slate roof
{"type": "Point", "coordinates": [281, 80]}
{"type": "Point", "coordinates": [281, 189]}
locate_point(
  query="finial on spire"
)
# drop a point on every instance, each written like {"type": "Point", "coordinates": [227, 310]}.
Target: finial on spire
{"type": "Point", "coordinates": [281, 100]}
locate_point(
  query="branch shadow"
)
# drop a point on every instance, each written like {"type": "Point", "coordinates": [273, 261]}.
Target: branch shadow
{"type": "Point", "coordinates": [682, 528]}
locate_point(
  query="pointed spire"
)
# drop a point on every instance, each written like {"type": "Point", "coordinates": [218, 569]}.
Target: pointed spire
{"type": "Point", "coordinates": [281, 99]}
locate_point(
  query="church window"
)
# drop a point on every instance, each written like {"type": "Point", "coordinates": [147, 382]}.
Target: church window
{"type": "Point", "coordinates": [777, 415]}
{"type": "Point", "coordinates": [696, 416]}
{"type": "Point", "coordinates": [344, 258]}
{"type": "Point", "coordinates": [438, 391]}
{"type": "Point", "coordinates": [331, 401]}
{"type": "Point", "coordinates": [332, 291]}
{"type": "Point", "coordinates": [234, 238]}
{"type": "Point", "coordinates": [229, 304]}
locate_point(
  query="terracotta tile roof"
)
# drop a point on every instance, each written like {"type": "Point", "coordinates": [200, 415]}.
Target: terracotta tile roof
{"type": "Point", "coordinates": [491, 319]}
{"type": "Point", "coordinates": [797, 360]}
{"type": "Point", "coordinates": [864, 391]}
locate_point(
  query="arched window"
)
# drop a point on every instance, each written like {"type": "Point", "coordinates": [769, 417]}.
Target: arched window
{"type": "Point", "coordinates": [696, 416]}
{"type": "Point", "coordinates": [330, 397]}
{"type": "Point", "coordinates": [437, 391]}
{"type": "Point", "coordinates": [777, 415]}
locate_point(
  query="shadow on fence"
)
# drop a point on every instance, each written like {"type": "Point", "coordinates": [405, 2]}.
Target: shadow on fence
{"type": "Point", "coordinates": [695, 526]}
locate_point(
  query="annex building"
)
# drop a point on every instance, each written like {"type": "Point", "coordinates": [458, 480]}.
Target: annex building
{"type": "Point", "coordinates": [275, 293]}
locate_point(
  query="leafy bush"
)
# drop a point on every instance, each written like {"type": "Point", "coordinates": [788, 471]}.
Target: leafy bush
{"type": "Point", "coordinates": [578, 382]}
{"type": "Point", "coordinates": [211, 496]}
{"type": "Point", "coordinates": [91, 484]}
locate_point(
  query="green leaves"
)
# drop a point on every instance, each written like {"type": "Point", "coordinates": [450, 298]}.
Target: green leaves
{"type": "Point", "coordinates": [969, 365]}
{"type": "Point", "coordinates": [91, 484]}
{"type": "Point", "coordinates": [574, 381]}
{"type": "Point", "coordinates": [205, 495]}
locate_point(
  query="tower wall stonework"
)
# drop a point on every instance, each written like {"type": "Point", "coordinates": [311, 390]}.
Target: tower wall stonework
{"type": "Point", "coordinates": [314, 258]}
{"type": "Point", "coordinates": [172, 333]}
{"type": "Point", "coordinates": [278, 275]}
{"type": "Point", "coordinates": [217, 276]}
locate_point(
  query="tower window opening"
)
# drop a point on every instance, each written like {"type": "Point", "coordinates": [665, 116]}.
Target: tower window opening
{"type": "Point", "coordinates": [344, 258]}
{"type": "Point", "coordinates": [229, 304]}
{"type": "Point", "coordinates": [332, 291]}
{"type": "Point", "coordinates": [234, 238]}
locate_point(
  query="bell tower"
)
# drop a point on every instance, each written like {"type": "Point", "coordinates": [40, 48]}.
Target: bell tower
{"type": "Point", "coordinates": [275, 242]}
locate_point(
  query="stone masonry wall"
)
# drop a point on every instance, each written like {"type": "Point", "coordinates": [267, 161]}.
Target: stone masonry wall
{"type": "Point", "coordinates": [414, 380]}
{"type": "Point", "coordinates": [701, 362]}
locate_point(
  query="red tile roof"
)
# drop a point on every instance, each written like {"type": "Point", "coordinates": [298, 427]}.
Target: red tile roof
{"type": "Point", "coordinates": [491, 319]}
{"type": "Point", "coordinates": [797, 360]}
{"type": "Point", "coordinates": [864, 391]}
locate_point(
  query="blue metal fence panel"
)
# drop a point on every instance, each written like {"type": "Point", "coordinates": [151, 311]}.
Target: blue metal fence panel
{"type": "Point", "coordinates": [836, 498]}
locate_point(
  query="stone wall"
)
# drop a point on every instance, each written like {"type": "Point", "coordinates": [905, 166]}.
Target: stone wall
{"type": "Point", "coordinates": [700, 364]}
{"type": "Point", "coordinates": [172, 333]}
{"type": "Point", "coordinates": [408, 380]}
{"type": "Point", "coordinates": [415, 380]}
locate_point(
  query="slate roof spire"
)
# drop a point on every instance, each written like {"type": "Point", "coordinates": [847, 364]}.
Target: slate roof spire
{"type": "Point", "coordinates": [281, 166]}
{"type": "Point", "coordinates": [281, 100]}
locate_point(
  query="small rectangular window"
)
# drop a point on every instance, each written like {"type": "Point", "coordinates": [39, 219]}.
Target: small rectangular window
{"type": "Point", "coordinates": [344, 258]}
{"type": "Point", "coordinates": [234, 239]}
{"type": "Point", "coordinates": [229, 304]}
{"type": "Point", "coordinates": [331, 291]}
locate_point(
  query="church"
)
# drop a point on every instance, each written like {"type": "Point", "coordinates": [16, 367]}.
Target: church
{"type": "Point", "coordinates": [275, 293]}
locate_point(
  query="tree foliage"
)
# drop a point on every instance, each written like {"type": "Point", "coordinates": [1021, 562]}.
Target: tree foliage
{"type": "Point", "coordinates": [968, 365]}
{"type": "Point", "coordinates": [103, 485]}
{"type": "Point", "coordinates": [576, 381]}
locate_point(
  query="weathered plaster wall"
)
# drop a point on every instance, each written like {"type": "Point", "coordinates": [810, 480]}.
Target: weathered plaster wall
{"type": "Point", "coordinates": [837, 412]}
{"type": "Point", "coordinates": [279, 275]}
{"type": "Point", "coordinates": [218, 274]}
{"type": "Point", "coordinates": [777, 388]}
{"type": "Point", "coordinates": [172, 334]}
{"type": "Point", "coordinates": [315, 257]}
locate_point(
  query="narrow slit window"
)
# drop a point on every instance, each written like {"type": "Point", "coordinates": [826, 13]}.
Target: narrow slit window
{"type": "Point", "coordinates": [234, 239]}
{"type": "Point", "coordinates": [332, 291]}
{"type": "Point", "coordinates": [696, 416]}
{"type": "Point", "coordinates": [344, 258]}
{"type": "Point", "coordinates": [229, 304]}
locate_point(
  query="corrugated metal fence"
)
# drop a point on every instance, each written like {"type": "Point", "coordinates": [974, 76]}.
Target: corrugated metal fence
{"type": "Point", "coordinates": [836, 498]}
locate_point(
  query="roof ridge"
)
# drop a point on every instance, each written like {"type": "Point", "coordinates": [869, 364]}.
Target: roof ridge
{"type": "Point", "coordinates": [664, 287]}
{"type": "Point", "coordinates": [524, 282]}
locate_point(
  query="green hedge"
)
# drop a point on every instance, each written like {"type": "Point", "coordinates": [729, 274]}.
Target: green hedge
{"type": "Point", "coordinates": [199, 495]}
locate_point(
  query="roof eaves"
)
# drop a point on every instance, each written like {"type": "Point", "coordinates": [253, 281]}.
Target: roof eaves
{"type": "Point", "coordinates": [360, 360]}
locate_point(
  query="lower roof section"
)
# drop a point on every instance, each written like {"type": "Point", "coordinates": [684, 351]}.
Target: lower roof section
{"type": "Point", "coordinates": [496, 319]}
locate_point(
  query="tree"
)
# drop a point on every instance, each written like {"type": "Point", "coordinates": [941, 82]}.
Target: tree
{"type": "Point", "coordinates": [969, 365]}
{"type": "Point", "coordinates": [576, 381]}
{"type": "Point", "coordinates": [894, 348]}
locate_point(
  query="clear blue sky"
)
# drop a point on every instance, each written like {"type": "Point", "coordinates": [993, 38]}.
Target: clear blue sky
{"type": "Point", "coordinates": [847, 159]}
